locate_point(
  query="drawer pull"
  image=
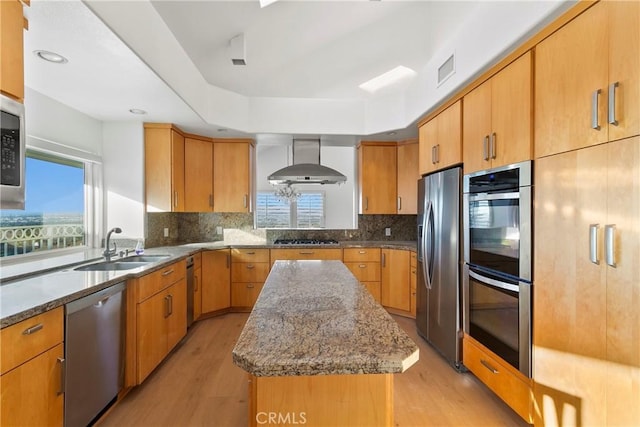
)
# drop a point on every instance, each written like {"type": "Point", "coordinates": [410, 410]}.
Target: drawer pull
{"type": "Point", "coordinates": [250, 253]}
{"type": "Point", "coordinates": [33, 329]}
{"type": "Point", "coordinates": [168, 272]}
{"type": "Point", "coordinates": [63, 365]}
{"type": "Point", "coordinates": [250, 285]}
{"type": "Point", "coordinates": [250, 267]}
{"type": "Point", "coordinates": [362, 252]}
{"type": "Point", "coordinates": [362, 265]}
{"type": "Point", "coordinates": [306, 252]}
{"type": "Point", "coordinates": [488, 366]}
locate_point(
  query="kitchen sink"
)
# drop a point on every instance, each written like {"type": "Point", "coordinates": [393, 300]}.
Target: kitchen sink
{"type": "Point", "coordinates": [111, 266]}
{"type": "Point", "coordinates": [143, 258]}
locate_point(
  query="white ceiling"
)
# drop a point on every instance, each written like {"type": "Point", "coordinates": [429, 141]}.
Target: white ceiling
{"type": "Point", "coordinates": [171, 59]}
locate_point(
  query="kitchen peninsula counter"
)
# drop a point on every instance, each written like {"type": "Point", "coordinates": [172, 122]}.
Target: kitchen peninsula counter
{"type": "Point", "coordinates": [316, 343]}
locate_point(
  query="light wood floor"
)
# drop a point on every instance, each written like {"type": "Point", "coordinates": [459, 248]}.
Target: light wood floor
{"type": "Point", "coordinates": [198, 385]}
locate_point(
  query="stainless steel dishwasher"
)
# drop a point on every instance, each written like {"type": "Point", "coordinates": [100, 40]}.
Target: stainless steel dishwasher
{"type": "Point", "coordinates": [94, 347]}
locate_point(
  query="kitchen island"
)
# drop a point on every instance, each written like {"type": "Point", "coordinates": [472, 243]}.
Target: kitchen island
{"type": "Point", "coordinates": [320, 350]}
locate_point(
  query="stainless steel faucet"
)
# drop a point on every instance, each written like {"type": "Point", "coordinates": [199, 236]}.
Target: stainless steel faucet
{"type": "Point", "coordinates": [109, 252]}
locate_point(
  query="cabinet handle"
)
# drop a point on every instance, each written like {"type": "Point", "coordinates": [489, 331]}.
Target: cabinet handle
{"type": "Point", "coordinates": [250, 267]}
{"type": "Point", "coordinates": [166, 306]}
{"type": "Point", "coordinates": [250, 253]}
{"type": "Point", "coordinates": [384, 259]}
{"type": "Point", "coordinates": [366, 203]}
{"type": "Point", "coordinates": [306, 252]}
{"type": "Point", "coordinates": [488, 366]}
{"type": "Point", "coordinates": [244, 201]}
{"type": "Point", "coordinates": [609, 244]}
{"type": "Point", "coordinates": [399, 203]}
{"type": "Point", "coordinates": [362, 265]}
{"type": "Point", "coordinates": [437, 153]}
{"type": "Point", "coordinates": [485, 148]}
{"type": "Point", "coordinates": [594, 109]}
{"type": "Point", "coordinates": [175, 199]}
{"type": "Point", "coordinates": [63, 367]}
{"type": "Point", "coordinates": [210, 200]}
{"type": "Point", "coordinates": [433, 155]}
{"type": "Point", "coordinates": [593, 243]}
{"type": "Point", "coordinates": [493, 145]}
{"type": "Point", "coordinates": [33, 329]}
{"type": "Point", "coordinates": [612, 103]}
{"type": "Point", "coordinates": [250, 285]}
{"type": "Point", "coordinates": [168, 272]}
{"type": "Point", "coordinates": [362, 252]}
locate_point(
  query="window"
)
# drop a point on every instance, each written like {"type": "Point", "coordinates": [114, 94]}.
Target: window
{"type": "Point", "coordinates": [308, 211]}
{"type": "Point", "coordinates": [54, 215]}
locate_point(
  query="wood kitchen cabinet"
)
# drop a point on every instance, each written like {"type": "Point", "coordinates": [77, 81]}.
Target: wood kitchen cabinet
{"type": "Point", "coordinates": [408, 175]}
{"type": "Point", "coordinates": [377, 177]}
{"type": "Point", "coordinates": [497, 118]}
{"type": "Point", "coordinates": [31, 380]}
{"type": "Point", "coordinates": [161, 316]}
{"type": "Point", "coordinates": [307, 253]}
{"type": "Point", "coordinates": [216, 280]}
{"type": "Point", "coordinates": [12, 25]}
{"type": "Point", "coordinates": [576, 73]}
{"type": "Point", "coordinates": [441, 140]}
{"type": "Point", "coordinates": [198, 175]}
{"type": "Point", "coordinates": [197, 286]}
{"type": "Point", "coordinates": [164, 168]}
{"type": "Point", "coordinates": [364, 263]}
{"type": "Point", "coordinates": [396, 280]}
{"type": "Point", "coordinates": [586, 322]}
{"type": "Point", "coordinates": [233, 161]}
{"type": "Point", "coordinates": [249, 270]}
{"type": "Point", "coordinates": [413, 280]}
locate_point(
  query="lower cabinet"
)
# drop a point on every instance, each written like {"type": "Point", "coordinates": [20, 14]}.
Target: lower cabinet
{"type": "Point", "coordinates": [364, 264]}
{"type": "Point", "coordinates": [249, 270]}
{"type": "Point", "coordinates": [197, 286]}
{"type": "Point", "coordinates": [216, 280]}
{"type": "Point", "coordinates": [31, 381]}
{"type": "Point", "coordinates": [396, 281]}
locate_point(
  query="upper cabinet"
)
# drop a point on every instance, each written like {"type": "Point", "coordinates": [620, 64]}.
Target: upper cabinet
{"type": "Point", "coordinates": [440, 140]}
{"type": "Point", "coordinates": [12, 24]}
{"type": "Point", "coordinates": [233, 175]}
{"type": "Point", "coordinates": [497, 118]}
{"type": "Point", "coordinates": [198, 175]}
{"type": "Point", "coordinates": [587, 84]}
{"type": "Point", "coordinates": [408, 176]}
{"type": "Point", "coordinates": [377, 177]}
{"type": "Point", "coordinates": [163, 168]}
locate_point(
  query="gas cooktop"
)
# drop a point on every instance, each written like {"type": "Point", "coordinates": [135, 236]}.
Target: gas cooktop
{"type": "Point", "coordinates": [305, 242]}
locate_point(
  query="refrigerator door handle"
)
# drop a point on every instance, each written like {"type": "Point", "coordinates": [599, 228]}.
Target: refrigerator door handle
{"type": "Point", "coordinates": [427, 243]}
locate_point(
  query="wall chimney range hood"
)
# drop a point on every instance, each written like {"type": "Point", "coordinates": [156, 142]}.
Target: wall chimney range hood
{"type": "Point", "coordinates": [306, 167]}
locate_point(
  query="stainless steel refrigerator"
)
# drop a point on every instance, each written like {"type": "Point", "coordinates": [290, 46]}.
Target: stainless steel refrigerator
{"type": "Point", "coordinates": [438, 307]}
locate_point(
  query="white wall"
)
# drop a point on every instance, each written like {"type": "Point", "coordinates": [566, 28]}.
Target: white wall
{"type": "Point", "coordinates": [123, 156]}
{"type": "Point", "coordinates": [340, 199]}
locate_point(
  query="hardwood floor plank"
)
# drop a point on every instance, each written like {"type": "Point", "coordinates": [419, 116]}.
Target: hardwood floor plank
{"type": "Point", "coordinates": [198, 385]}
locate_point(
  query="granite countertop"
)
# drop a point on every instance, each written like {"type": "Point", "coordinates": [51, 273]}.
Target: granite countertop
{"type": "Point", "coordinates": [315, 318]}
{"type": "Point", "coordinates": [31, 288]}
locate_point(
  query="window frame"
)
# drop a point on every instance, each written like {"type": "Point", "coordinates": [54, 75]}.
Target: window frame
{"type": "Point", "coordinates": [293, 211]}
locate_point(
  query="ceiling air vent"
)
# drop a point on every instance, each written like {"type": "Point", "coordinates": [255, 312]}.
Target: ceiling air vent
{"type": "Point", "coordinates": [447, 69]}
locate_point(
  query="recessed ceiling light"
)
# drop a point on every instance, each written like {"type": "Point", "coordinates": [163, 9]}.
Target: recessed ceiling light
{"type": "Point", "coordinates": [137, 111]}
{"type": "Point", "coordinates": [50, 56]}
{"type": "Point", "coordinates": [388, 78]}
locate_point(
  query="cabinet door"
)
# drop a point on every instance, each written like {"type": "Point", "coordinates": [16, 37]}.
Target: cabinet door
{"type": "Point", "coordinates": [177, 318]}
{"type": "Point", "coordinates": [408, 178]}
{"type": "Point", "coordinates": [476, 128]}
{"type": "Point", "coordinates": [177, 170]}
{"type": "Point", "coordinates": [570, 66]}
{"type": "Point", "coordinates": [12, 51]}
{"type": "Point", "coordinates": [198, 175]}
{"type": "Point", "coordinates": [231, 176]}
{"type": "Point", "coordinates": [427, 136]}
{"type": "Point", "coordinates": [449, 136]}
{"type": "Point", "coordinates": [30, 392]}
{"type": "Point", "coordinates": [377, 170]}
{"type": "Point", "coordinates": [511, 112]}
{"type": "Point", "coordinates": [395, 290]}
{"type": "Point", "coordinates": [244, 295]}
{"type": "Point", "coordinates": [151, 333]}
{"type": "Point", "coordinates": [624, 66]}
{"type": "Point", "coordinates": [216, 280]}
{"type": "Point", "coordinates": [163, 169]}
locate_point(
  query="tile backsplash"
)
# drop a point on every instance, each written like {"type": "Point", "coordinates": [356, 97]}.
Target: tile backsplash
{"type": "Point", "coordinates": [202, 227]}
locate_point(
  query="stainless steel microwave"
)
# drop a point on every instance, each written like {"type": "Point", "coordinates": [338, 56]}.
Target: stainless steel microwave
{"type": "Point", "coordinates": [12, 153]}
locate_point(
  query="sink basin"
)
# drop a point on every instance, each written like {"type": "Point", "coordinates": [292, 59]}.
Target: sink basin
{"type": "Point", "coordinates": [111, 266]}
{"type": "Point", "coordinates": [143, 258]}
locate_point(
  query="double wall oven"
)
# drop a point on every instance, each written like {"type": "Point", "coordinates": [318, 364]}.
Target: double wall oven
{"type": "Point", "coordinates": [497, 271]}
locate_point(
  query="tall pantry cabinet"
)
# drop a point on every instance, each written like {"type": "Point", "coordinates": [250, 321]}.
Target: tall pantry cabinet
{"type": "Point", "coordinates": [586, 326]}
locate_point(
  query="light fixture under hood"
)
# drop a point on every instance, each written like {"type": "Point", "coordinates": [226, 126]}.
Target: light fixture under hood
{"type": "Point", "coordinates": [306, 167]}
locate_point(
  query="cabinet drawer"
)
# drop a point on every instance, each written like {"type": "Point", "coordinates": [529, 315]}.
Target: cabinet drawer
{"type": "Point", "coordinates": [154, 282]}
{"type": "Point", "coordinates": [365, 271]}
{"type": "Point", "coordinates": [302, 254]}
{"type": "Point", "coordinates": [29, 338]}
{"type": "Point", "coordinates": [503, 380]}
{"type": "Point", "coordinates": [374, 289]}
{"type": "Point", "coordinates": [249, 271]}
{"type": "Point", "coordinates": [362, 254]}
{"type": "Point", "coordinates": [245, 294]}
{"type": "Point", "coordinates": [250, 255]}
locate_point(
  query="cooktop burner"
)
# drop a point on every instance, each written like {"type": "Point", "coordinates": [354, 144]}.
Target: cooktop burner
{"type": "Point", "coordinates": [305, 242]}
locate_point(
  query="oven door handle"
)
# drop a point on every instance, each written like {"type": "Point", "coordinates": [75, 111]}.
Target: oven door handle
{"type": "Point", "coordinates": [493, 282]}
{"type": "Point", "coordinates": [494, 196]}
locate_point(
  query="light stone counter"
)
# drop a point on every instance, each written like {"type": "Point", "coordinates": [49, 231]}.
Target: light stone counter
{"type": "Point", "coordinates": [314, 318]}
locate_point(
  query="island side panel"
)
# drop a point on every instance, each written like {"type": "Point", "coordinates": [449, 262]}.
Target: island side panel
{"type": "Point", "coordinates": [322, 400]}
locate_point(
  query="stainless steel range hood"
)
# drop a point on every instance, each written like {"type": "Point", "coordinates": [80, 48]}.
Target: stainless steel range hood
{"type": "Point", "coordinates": [306, 167]}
